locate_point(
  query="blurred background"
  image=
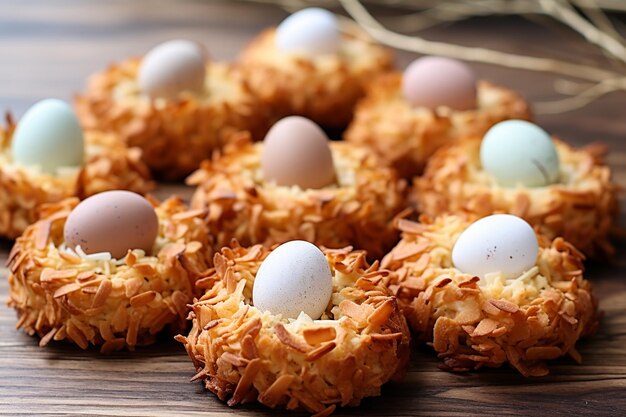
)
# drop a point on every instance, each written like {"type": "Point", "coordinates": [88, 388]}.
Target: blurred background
{"type": "Point", "coordinates": [49, 48]}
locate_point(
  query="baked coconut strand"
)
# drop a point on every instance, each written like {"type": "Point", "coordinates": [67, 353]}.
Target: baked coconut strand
{"type": "Point", "coordinates": [109, 165]}
{"type": "Point", "coordinates": [358, 210]}
{"type": "Point", "coordinates": [582, 206]}
{"type": "Point", "coordinates": [61, 294]}
{"type": "Point", "coordinates": [243, 354]}
{"type": "Point", "coordinates": [405, 136]}
{"type": "Point", "coordinates": [175, 135]}
{"type": "Point", "coordinates": [325, 88]}
{"type": "Point", "coordinates": [471, 322]}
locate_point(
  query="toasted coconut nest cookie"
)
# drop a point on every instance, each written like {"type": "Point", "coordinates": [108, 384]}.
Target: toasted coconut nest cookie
{"type": "Point", "coordinates": [60, 294]}
{"type": "Point", "coordinates": [243, 354]}
{"type": "Point", "coordinates": [175, 135]}
{"type": "Point", "coordinates": [473, 322]}
{"type": "Point", "coordinates": [109, 165]}
{"type": "Point", "coordinates": [357, 211]}
{"type": "Point", "coordinates": [582, 207]}
{"type": "Point", "coordinates": [324, 89]}
{"type": "Point", "coordinates": [405, 137]}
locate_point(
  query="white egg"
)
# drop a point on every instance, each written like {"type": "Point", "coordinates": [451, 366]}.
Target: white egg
{"type": "Point", "coordinates": [295, 277]}
{"type": "Point", "coordinates": [519, 152]}
{"type": "Point", "coordinates": [498, 243]}
{"type": "Point", "coordinates": [311, 32]}
{"type": "Point", "coordinates": [49, 136]}
{"type": "Point", "coordinates": [172, 67]}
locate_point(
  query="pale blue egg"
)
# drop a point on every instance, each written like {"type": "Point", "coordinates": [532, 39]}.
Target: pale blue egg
{"type": "Point", "coordinates": [517, 152]}
{"type": "Point", "coordinates": [49, 136]}
{"type": "Point", "coordinates": [311, 31]}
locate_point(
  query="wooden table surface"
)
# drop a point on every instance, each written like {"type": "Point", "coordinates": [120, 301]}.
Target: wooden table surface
{"type": "Point", "coordinates": [47, 48]}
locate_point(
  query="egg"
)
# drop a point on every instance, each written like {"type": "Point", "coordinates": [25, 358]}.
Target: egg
{"type": "Point", "coordinates": [112, 221]}
{"type": "Point", "coordinates": [519, 152]}
{"type": "Point", "coordinates": [48, 136]}
{"type": "Point", "coordinates": [296, 151]}
{"type": "Point", "coordinates": [171, 68]}
{"type": "Point", "coordinates": [434, 81]}
{"type": "Point", "coordinates": [499, 243]}
{"type": "Point", "coordinates": [295, 277]}
{"type": "Point", "coordinates": [310, 32]}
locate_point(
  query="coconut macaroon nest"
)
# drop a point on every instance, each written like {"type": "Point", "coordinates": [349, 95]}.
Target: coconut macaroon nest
{"type": "Point", "coordinates": [243, 354]}
{"type": "Point", "coordinates": [62, 294]}
{"type": "Point", "coordinates": [175, 135]}
{"type": "Point", "coordinates": [358, 210]}
{"type": "Point", "coordinates": [582, 207]}
{"type": "Point", "coordinates": [406, 136]}
{"type": "Point", "coordinates": [324, 88]}
{"type": "Point", "coordinates": [108, 165]}
{"type": "Point", "coordinates": [473, 322]}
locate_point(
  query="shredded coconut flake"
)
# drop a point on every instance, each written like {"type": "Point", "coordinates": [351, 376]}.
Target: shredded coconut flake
{"type": "Point", "coordinates": [100, 256]}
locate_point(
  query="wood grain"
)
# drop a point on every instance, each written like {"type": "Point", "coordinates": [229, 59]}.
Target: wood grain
{"type": "Point", "coordinates": [48, 48]}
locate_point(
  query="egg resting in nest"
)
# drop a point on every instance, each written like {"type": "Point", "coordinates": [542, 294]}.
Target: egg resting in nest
{"type": "Point", "coordinates": [107, 303]}
{"type": "Point", "coordinates": [473, 322]}
{"type": "Point", "coordinates": [175, 135]}
{"type": "Point", "coordinates": [357, 211]}
{"type": "Point", "coordinates": [406, 136]}
{"type": "Point", "coordinates": [325, 88]}
{"type": "Point", "coordinates": [243, 354]}
{"type": "Point", "coordinates": [108, 165]}
{"type": "Point", "coordinates": [582, 207]}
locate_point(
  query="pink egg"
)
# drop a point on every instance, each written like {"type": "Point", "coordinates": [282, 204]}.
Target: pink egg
{"type": "Point", "coordinates": [434, 81]}
{"type": "Point", "coordinates": [296, 152]}
{"type": "Point", "coordinates": [112, 221]}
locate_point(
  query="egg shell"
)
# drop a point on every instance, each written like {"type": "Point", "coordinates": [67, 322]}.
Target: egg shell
{"type": "Point", "coordinates": [49, 136]}
{"type": "Point", "coordinates": [294, 277]}
{"type": "Point", "coordinates": [296, 152]}
{"type": "Point", "coordinates": [112, 221]}
{"type": "Point", "coordinates": [498, 243]}
{"type": "Point", "coordinates": [171, 68]}
{"type": "Point", "coordinates": [434, 81]}
{"type": "Point", "coordinates": [313, 31]}
{"type": "Point", "coordinates": [519, 152]}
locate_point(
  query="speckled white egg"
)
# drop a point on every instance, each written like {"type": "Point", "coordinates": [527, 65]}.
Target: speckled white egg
{"type": "Point", "coordinates": [171, 68]}
{"type": "Point", "coordinates": [48, 136]}
{"type": "Point", "coordinates": [517, 152]}
{"type": "Point", "coordinates": [499, 243]}
{"type": "Point", "coordinates": [294, 277]}
{"type": "Point", "coordinates": [311, 32]}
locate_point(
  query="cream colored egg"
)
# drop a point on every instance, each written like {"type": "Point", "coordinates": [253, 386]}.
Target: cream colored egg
{"type": "Point", "coordinates": [296, 151]}
{"type": "Point", "coordinates": [171, 68]}
{"type": "Point", "coordinates": [294, 278]}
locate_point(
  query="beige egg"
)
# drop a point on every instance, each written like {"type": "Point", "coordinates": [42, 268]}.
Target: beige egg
{"type": "Point", "coordinates": [113, 221]}
{"type": "Point", "coordinates": [171, 68]}
{"type": "Point", "coordinates": [296, 151]}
